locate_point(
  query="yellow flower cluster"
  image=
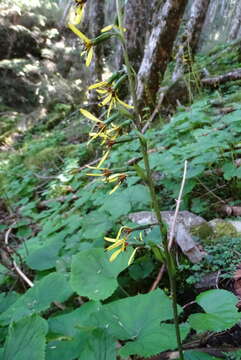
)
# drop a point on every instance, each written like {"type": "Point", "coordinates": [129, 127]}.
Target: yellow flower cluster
{"type": "Point", "coordinates": [120, 243]}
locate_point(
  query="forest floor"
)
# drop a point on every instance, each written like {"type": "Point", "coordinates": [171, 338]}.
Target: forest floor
{"type": "Point", "coordinates": [51, 210]}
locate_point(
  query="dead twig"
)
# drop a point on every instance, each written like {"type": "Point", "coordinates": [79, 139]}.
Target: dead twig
{"type": "Point", "coordinates": [178, 203]}
{"type": "Point", "coordinates": [16, 267]}
{"type": "Point", "coordinates": [172, 231]}
{"type": "Point", "coordinates": [158, 278]}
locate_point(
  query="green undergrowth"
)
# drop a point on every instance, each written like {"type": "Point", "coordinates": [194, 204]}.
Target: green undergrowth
{"type": "Point", "coordinates": [59, 216]}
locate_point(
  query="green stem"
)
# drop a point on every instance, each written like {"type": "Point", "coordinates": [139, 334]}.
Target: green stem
{"type": "Point", "coordinates": [150, 184]}
{"type": "Point", "coordinates": [131, 78]}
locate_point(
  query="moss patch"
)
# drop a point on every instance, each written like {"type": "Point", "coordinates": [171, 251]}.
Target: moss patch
{"type": "Point", "coordinates": [202, 231]}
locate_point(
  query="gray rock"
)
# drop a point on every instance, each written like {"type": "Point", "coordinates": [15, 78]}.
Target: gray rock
{"type": "Point", "coordinates": [185, 217]}
{"type": "Point", "coordinates": [185, 221]}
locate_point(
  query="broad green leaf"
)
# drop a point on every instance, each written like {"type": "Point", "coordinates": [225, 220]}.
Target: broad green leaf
{"type": "Point", "coordinates": [138, 196]}
{"type": "Point", "coordinates": [141, 326]}
{"type": "Point", "coordinates": [197, 355]}
{"type": "Point", "coordinates": [45, 257]}
{"type": "Point", "coordinates": [232, 117]}
{"type": "Point", "coordinates": [94, 276]}
{"type": "Point", "coordinates": [154, 237]}
{"type": "Point", "coordinates": [221, 312]}
{"type": "Point", "coordinates": [3, 274]}
{"type": "Point", "coordinates": [230, 171]}
{"type": "Point", "coordinates": [99, 346]}
{"type": "Point", "coordinates": [95, 225]}
{"type": "Point", "coordinates": [65, 348]}
{"type": "Point", "coordinates": [88, 344]}
{"type": "Point", "coordinates": [116, 205]}
{"type": "Point", "coordinates": [141, 268]}
{"type": "Point", "coordinates": [160, 338]}
{"type": "Point", "coordinates": [26, 339]}
{"type": "Point", "coordinates": [7, 299]}
{"type": "Point", "coordinates": [68, 324]}
{"type": "Point", "coordinates": [53, 287]}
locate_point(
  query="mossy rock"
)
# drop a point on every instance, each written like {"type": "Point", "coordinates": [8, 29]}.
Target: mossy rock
{"type": "Point", "coordinates": [203, 231]}
{"type": "Point", "coordinates": [222, 228]}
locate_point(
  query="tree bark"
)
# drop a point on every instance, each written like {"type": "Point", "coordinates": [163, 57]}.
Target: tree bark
{"type": "Point", "coordinates": [96, 20]}
{"type": "Point", "coordinates": [235, 28]}
{"type": "Point", "coordinates": [137, 20]}
{"type": "Point", "coordinates": [158, 50]}
{"type": "Point", "coordinates": [190, 38]}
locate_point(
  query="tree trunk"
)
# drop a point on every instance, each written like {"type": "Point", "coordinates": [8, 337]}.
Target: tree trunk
{"type": "Point", "coordinates": [191, 35]}
{"type": "Point", "coordinates": [158, 50]}
{"type": "Point", "coordinates": [235, 28]}
{"type": "Point", "coordinates": [96, 20]}
{"type": "Point", "coordinates": [138, 14]}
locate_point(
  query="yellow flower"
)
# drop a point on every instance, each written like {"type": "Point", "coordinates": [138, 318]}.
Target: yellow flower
{"type": "Point", "coordinates": [88, 44]}
{"type": "Point", "coordinates": [91, 116]}
{"type": "Point", "coordinates": [110, 27]}
{"type": "Point", "coordinates": [104, 157]}
{"type": "Point", "coordinates": [120, 244]}
{"type": "Point", "coordinates": [107, 135]}
{"type": "Point", "coordinates": [108, 176]}
{"type": "Point", "coordinates": [109, 96]}
{"type": "Point", "coordinates": [76, 12]}
{"type": "Point", "coordinates": [119, 178]}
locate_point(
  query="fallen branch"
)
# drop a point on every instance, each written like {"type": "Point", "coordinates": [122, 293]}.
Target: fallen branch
{"type": "Point", "coordinates": [221, 79]}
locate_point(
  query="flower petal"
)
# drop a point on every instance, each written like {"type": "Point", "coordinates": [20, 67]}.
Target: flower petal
{"type": "Point", "coordinates": [110, 239]}
{"type": "Point", "coordinates": [94, 174]}
{"type": "Point", "coordinates": [132, 256]}
{"type": "Point", "coordinates": [107, 28]}
{"type": "Point", "coordinates": [115, 245]}
{"type": "Point", "coordinates": [99, 84]}
{"type": "Point", "coordinates": [89, 56]}
{"type": "Point", "coordinates": [106, 100]}
{"type": "Point", "coordinates": [120, 230]}
{"type": "Point", "coordinates": [79, 33]}
{"type": "Point", "coordinates": [124, 104]}
{"type": "Point", "coordinates": [90, 116]}
{"type": "Point", "coordinates": [114, 188]}
{"type": "Point", "coordinates": [112, 103]}
{"type": "Point", "coordinates": [114, 255]}
{"type": "Point", "coordinates": [103, 158]}
{"type": "Point", "coordinates": [101, 91]}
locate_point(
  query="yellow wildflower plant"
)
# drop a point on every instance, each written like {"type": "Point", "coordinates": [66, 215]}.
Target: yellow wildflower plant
{"type": "Point", "coordinates": [107, 135]}
{"type": "Point", "coordinates": [88, 44]}
{"type": "Point", "coordinates": [108, 176]}
{"type": "Point", "coordinates": [119, 178]}
{"type": "Point", "coordinates": [109, 96]}
{"type": "Point", "coordinates": [120, 244]}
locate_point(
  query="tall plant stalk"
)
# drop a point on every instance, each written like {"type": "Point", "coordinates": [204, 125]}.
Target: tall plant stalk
{"type": "Point", "coordinates": [137, 123]}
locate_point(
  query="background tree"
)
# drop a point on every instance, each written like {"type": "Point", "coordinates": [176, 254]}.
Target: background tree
{"type": "Point", "coordinates": [188, 44]}
{"type": "Point", "coordinates": [236, 24]}
{"type": "Point", "coordinates": [137, 22]}
{"type": "Point", "coordinates": [158, 50]}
